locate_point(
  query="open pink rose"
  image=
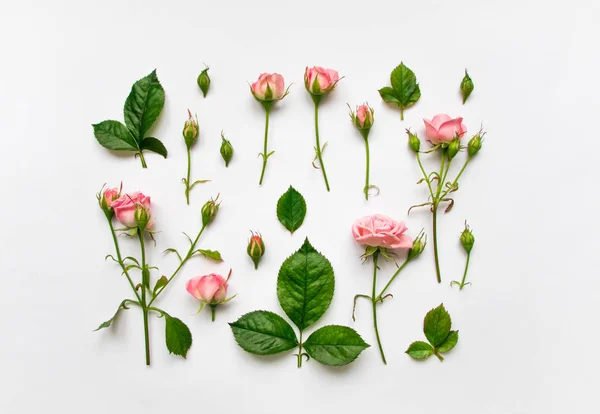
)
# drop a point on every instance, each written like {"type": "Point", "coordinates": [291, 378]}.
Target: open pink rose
{"type": "Point", "coordinates": [211, 289]}
{"type": "Point", "coordinates": [125, 207]}
{"type": "Point", "coordinates": [268, 87]}
{"type": "Point", "coordinates": [442, 128]}
{"type": "Point", "coordinates": [319, 81]}
{"type": "Point", "coordinates": [381, 231]}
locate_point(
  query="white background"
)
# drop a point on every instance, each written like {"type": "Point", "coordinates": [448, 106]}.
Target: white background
{"type": "Point", "coordinates": [528, 324]}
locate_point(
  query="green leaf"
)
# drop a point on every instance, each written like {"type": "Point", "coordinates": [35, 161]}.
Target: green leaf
{"type": "Point", "coordinates": [419, 350]}
{"type": "Point", "coordinates": [143, 105]}
{"type": "Point", "coordinates": [211, 254]}
{"type": "Point", "coordinates": [177, 336]}
{"type": "Point", "coordinates": [389, 95]}
{"type": "Point", "coordinates": [114, 136]}
{"type": "Point", "coordinates": [436, 325]}
{"type": "Point", "coordinates": [109, 322]}
{"type": "Point", "coordinates": [291, 209]}
{"type": "Point", "coordinates": [405, 90]}
{"type": "Point", "coordinates": [263, 333]}
{"type": "Point", "coordinates": [154, 145]}
{"type": "Point", "coordinates": [305, 286]}
{"type": "Point", "coordinates": [449, 343]}
{"type": "Point", "coordinates": [160, 283]}
{"type": "Point", "coordinates": [335, 345]}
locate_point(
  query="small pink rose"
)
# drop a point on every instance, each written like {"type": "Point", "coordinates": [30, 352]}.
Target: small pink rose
{"type": "Point", "coordinates": [363, 119]}
{"type": "Point", "coordinates": [319, 81]}
{"type": "Point", "coordinates": [211, 289]}
{"type": "Point", "coordinates": [268, 87]}
{"type": "Point", "coordinates": [381, 231]}
{"type": "Point", "coordinates": [125, 209]}
{"type": "Point", "coordinates": [442, 128]}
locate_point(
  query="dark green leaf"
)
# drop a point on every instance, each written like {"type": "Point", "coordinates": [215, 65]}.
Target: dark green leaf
{"type": "Point", "coordinates": [335, 345]}
{"type": "Point", "coordinates": [177, 336]}
{"type": "Point", "coordinates": [449, 343]}
{"type": "Point", "coordinates": [436, 325]}
{"type": "Point", "coordinates": [143, 105]}
{"type": "Point", "coordinates": [109, 322]}
{"type": "Point", "coordinates": [420, 350]}
{"type": "Point", "coordinates": [154, 145]}
{"type": "Point", "coordinates": [263, 333]}
{"type": "Point", "coordinates": [305, 286]}
{"type": "Point", "coordinates": [211, 254]}
{"type": "Point", "coordinates": [389, 95]}
{"type": "Point", "coordinates": [291, 209]}
{"type": "Point", "coordinates": [160, 283]}
{"type": "Point", "coordinates": [113, 135]}
{"type": "Point", "coordinates": [405, 90]}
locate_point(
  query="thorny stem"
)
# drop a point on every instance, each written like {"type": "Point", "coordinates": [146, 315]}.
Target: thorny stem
{"type": "Point", "coordinates": [375, 256]}
{"type": "Point", "coordinates": [380, 296]}
{"type": "Point", "coordinates": [145, 282]}
{"type": "Point", "coordinates": [265, 156]}
{"type": "Point", "coordinates": [318, 147]}
{"type": "Point", "coordinates": [187, 183]}
{"type": "Point", "coordinates": [368, 168]}
{"type": "Point", "coordinates": [118, 251]}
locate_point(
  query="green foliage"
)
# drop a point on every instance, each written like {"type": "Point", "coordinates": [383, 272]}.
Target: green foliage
{"type": "Point", "coordinates": [109, 322]}
{"type": "Point", "coordinates": [436, 326]}
{"type": "Point", "coordinates": [335, 345]}
{"type": "Point", "coordinates": [263, 333]}
{"type": "Point", "coordinates": [177, 335]}
{"type": "Point", "coordinates": [405, 90]}
{"type": "Point", "coordinates": [291, 209]}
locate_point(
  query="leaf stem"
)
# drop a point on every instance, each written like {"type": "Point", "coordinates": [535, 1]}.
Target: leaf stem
{"type": "Point", "coordinates": [145, 283]}
{"type": "Point", "coordinates": [380, 296]}
{"type": "Point", "coordinates": [375, 257]}
{"type": "Point", "coordinates": [118, 251]}
{"type": "Point", "coordinates": [462, 283]}
{"type": "Point", "coordinates": [425, 175]}
{"type": "Point", "coordinates": [265, 156]}
{"type": "Point", "coordinates": [368, 168]}
{"type": "Point", "coordinates": [318, 147]}
{"type": "Point", "coordinates": [457, 177]}
{"type": "Point", "coordinates": [187, 183]}
{"type": "Point", "coordinates": [401, 114]}
{"type": "Point", "coordinates": [300, 351]}
{"type": "Point", "coordinates": [141, 153]}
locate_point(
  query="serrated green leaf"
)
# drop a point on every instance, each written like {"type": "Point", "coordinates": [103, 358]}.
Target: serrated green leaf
{"type": "Point", "coordinates": [263, 333]}
{"type": "Point", "coordinates": [177, 336]}
{"type": "Point", "coordinates": [291, 209]}
{"type": "Point", "coordinates": [449, 343]}
{"type": "Point", "coordinates": [389, 95]}
{"type": "Point", "coordinates": [114, 136]}
{"type": "Point", "coordinates": [305, 286]}
{"type": "Point", "coordinates": [143, 105]}
{"type": "Point", "coordinates": [211, 254]}
{"type": "Point", "coordinates": [154, 145]}
{"type": "Point", "coordinates": [436, 325]}
{"type": "Point", "coordinates": [419, 350]}
{"type": "Point", "coordinates": [404, 82]}
{"type": "Point", "coordinates": [335, 345]}
{"type": "Point", "coordinates": [109, 322]}
{"type": "Point", "coordinates": [159, 284]}
{"type": "Point", "coordinates": [172, 250]}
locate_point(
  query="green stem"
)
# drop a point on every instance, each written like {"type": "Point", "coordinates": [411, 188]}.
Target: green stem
{"type": "Point", "coordinates": [437, 354]}
{"type": "Point", "coordinates": [300, 351]}
{"type": "Point", "coordinates": [145, 283]}
{"type": "Point", "coordinates": [368, 168]}
{"type": "Point", "coordinates": [118, 250]}
{"type": "Point", "coordinates": [318, 148]}
{"type": "Point", "coordinates": [380, 296]}
{"type": "Point", "coordinates": [212, 312]}
{"type": "Point", "coordinates": [457, 177]}
{"type": "Point", "coordinates": [462, 284]}
{"type": "Point", "coordinates": [265, 156]}
{"type": "Point", "coordinates": [187, 183]}
{"type": "Point", "coordinates": [375, 256]}
{"type": "Point", "coordinates": [402, 114]}
{"type": "Point", "coordinates": [185, 259]}
{"type": "Point", "coordinates": [141, 153]}
{"type": "Point", "coordinates": [436, 201]}
{"type": "Point", "coordinates": [425, 175]}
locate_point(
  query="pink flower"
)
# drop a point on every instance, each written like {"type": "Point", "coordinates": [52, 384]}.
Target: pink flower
{"type": "Point", "coordinates": [127, 204]}
{"type": "Point", "coordinates": [381, 231]}
{"type": "Point", "coordinates": [443, 129]}
{"type": "Point", "coordinates": [363, 118]}
{"type": "Point", "coordinates": [268, 87]}
{"type": "Point", "coordinates": [210, 289]}
{"type": "Point", "coordinates": [319, 81]}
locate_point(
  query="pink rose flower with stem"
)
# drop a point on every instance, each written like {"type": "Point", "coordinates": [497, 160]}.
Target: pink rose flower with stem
{"type": "Point", "coordinates": [268, 89]}
{"type": "Point", "coordinates": [363, 120]}
{"type": "Point", "coordinates": [442, 129]}
{"type": "Point", "coordinates": [209, 290]}
{"type": "Point", "coordinates": [125, 209]}
{"type": "Point", "coordinates": [319, 82]}
{"type": "Point", "coordinates": [380, 234]}
{"type": "Point", "coordinates": [105, 198]}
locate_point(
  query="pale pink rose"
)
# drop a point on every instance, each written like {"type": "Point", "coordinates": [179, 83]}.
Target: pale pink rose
{"type": "Point", "coordinates": [381, 231]}
{"type": "Point", "coordinates": [364, 114]}
{"type": "Point", "coordinates": [272, 81]}
{"type": "Point", "coordinates": [327, 79]}
{"type": "Point", "coordinates": [211, 289]}
{"type": "Point", "coordinates": [111, 194]}
{"type": "Point", "coordinates": [125, 207]}
{"type": "Point", "coordinates": [442, 128]}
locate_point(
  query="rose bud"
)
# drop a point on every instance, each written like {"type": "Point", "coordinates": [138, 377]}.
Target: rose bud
{"type": "Point", "coordinates": [190, 130]}
{"type": "Point", "coordinates": [320, 81]}
{"type": "Point", "coordinates": [210, 290]}
{"type": "Point", "coordinates": [363, 119]}
{"type": "Point", "coordinates": [474, 144]}
{"type": "Point", "coordinates": [256, 248]}
{"type": "Point", "coordinates": [454, 148]}
{"type": "Point", "coordinates": [467, 239]}
{"type": "Point", "coordinates": [106, 197]}
{"type": "Point", "coordinates": [418, 245]}
{"type": "Point", "coordinates": [204, 81]}
{"type": "Point", "coordinates": [442, 129]}
{"type": "Point", "coordinates": [269, 87]}
{"type": "Point", "coordinates": [226, 150]}
{"type": "Point", "coordinates": [466, 87]}
{"type": "Point", "coordinates": [142, 216]}
{"type": "Point", "coordinates": [413, 141]}
{"type": "Point", "coordinates": [209, 211]}
{"type": "Point", "coordinates": [125, 208]}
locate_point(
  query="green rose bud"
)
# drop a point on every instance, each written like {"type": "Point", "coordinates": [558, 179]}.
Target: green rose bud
{"type": "Point", "coordinates": [453, 148]}
{"type": "Point", "coordinates": [256, 248]}
{"type": "Point", "coordinates": [226, 150]}
{"type": "Point", "coordinates": [466, 87]}
{"type": "Point", "coordinates": [467, 239]}
{"type": "Point", "coordinates": [204, 81]}
{"type": "Point", "coordinates": [142, 216]}
{"type": "Point", "coordinates": [190, 130]}
{"type": "Point", "coordinates": [418, 245]}
{"type": "Point", "coordinates": [474, 144]}
{"type": "Point", "coordinates": [209, 211]}
{"type": "Point", "coordinates": [413, 141]}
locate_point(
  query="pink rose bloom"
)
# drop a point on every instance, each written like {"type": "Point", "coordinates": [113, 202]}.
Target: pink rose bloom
{"type": "Point", "coordinates": [442, 128]}
{"type": "Point", "coordinates": [111, 194]}
{"type": "Point", "coordinates": [364, 116]}
{"type": "Point", "coordinates": [325, 80]}
{"type": "Point", "coordinates": [268, 81]}
{"type": "Point", "coordinates": [211, 289]}
{"type": "Point", "coordinates": [125, 207]}
{"type": "Point", "coordinates": [381, 231]}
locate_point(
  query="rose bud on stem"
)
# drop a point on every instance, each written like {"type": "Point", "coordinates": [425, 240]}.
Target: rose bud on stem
{"type": "Point", "coordinates": [204, 81]}
{"type": "Point", "coordinates": [190, 136]}
{"type": "Point", "coordinates": [363, 120]}
{"type": "Point", "coordinates": [466, 87]}
{"type": "Point", "coordinates": [226, 150]}
{"type": "Point", "coordinates": [210, 290]}
{"type": "Point", "coordinates": [467, 240]}
{"type": "Point", "coordinates": [256, 248]}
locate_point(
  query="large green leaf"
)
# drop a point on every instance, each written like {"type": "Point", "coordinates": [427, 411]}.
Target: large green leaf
{"type": "Point", "coordinates": [143, 105]}
{"type": "Point", "coordinates": [335, 345]}
{"type": "Point", "coordinates": [263, 333]}
{"type": "Point", "coordinates": [291, 209]}
{"type": "Point", "coordinates": [154, 145]}
{"type": "Point", "coordinates": [109, 322]}
{"type": "Point", "coordinates": [177, 336]}
{"type": "Point", "coordinates": [436, 325]}
{"type": "Point", "coordinates": [305, 286]}
{"type": "Point", "coordinates": [420, 350]}
{"type": "Point", "coordinates": [115, 136]}
{"type": "Point", "coordinates": [404, 83]}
